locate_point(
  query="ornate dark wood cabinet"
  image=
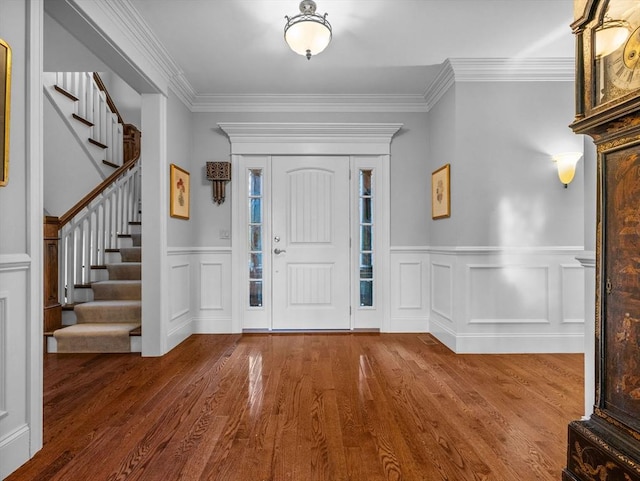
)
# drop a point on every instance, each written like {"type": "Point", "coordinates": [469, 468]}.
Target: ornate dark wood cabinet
{"type": "Point", "coordinates": [606, 447]}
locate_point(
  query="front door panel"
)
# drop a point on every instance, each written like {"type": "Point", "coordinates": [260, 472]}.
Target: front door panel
{"type": "Point", "coordinates": [310, 254]}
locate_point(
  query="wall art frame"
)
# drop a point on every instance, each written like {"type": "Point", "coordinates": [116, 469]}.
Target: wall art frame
{"type": "Point", "coordinates": [179, 192]}
{"type": "Point", "coordinates": [5, 109]}
{"type": "Point", "coordinates": [441, 192]}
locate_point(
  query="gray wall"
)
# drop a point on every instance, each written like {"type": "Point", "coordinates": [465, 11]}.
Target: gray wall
{"type": "Point", "coordinates": [64, 53]}
{"type": "Point", "coordinates": [13, 203]}
{"type": "Point", "coordinates": [180, 144]}
{"type": "Point", "coordinates": [410, 191]}
{"type": "Point", "coordinates": [504, 186]}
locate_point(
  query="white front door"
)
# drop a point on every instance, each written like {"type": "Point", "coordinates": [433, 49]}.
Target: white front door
{"type": "Point", "coordinates": [310, 242]}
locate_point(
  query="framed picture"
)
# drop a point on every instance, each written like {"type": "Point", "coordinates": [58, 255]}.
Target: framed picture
{"type": "Point", "coordinates": [179, 193]}
{"type": "Point", "coordinates": [440, 193]}
{"type": "Point", "coordinates": [5, 97]}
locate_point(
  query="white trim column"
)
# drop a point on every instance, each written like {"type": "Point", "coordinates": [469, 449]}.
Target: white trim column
{"type": "Point", "coordinates": [155, 295]}
{"type": "Point", "coordinates": [35, 9]}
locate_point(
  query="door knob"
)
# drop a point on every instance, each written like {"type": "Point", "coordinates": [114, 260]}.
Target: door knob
{"type": "Point", "coordinates": [277, 251]}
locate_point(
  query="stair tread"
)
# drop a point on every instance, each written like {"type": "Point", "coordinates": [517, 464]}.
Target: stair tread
{"type": "Point", "coordinates": [110, 164]}
{"type": "Point", "coordinates": [107, 303]}
{"type": "Point", "coordinates": [97, 143]}
{"type": "Point", "coordinates": [65, 93]}
{"type": "Point", "coordinates": [95, 328]}
{"type": "Point", "coordinates": [118, 282]}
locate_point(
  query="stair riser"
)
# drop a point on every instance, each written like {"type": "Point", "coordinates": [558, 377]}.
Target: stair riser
{"type": "Point", "coordinates": [131, 254]}
{"type": "Point", "coordinates": [112, 257]}
{"type": "Point", "coordinates": [68, 318]}
{"type": "Point", "coordinates": [126, 271]}
{"type": "Point", "coordinates": [135, 343]}
{"type": "Point", "coordinates": [99, 275]}
{"type": "Point", "coordinates": [135, 229]}
{"type": "Point", "coordinates": [82, 295]}
{"type": "Point", "coordinates": [105, 292]}
{"type": "Point", "coordinates": [95, 314]}
{"type": "Point", "coordinates": [124, 242]}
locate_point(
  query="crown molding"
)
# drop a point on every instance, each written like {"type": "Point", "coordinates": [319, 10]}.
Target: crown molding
{"type": "Point", "coordinates": [136, 29]}
{"type": "Point", "coordinates": [498, 70]}
{"type": "Point", "coordinates": [560, 69]}
{"type": "Point", "coordinates": [441, 84]}
{"type": "Point", "coordinates": [309, 103]}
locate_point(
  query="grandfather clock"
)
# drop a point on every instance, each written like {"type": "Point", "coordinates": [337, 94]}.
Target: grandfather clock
{"type": "Point", "coordinates": [606, 447]}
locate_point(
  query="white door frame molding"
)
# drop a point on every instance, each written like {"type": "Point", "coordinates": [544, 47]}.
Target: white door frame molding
{"type": "Point", "coordinates": [270, 138]}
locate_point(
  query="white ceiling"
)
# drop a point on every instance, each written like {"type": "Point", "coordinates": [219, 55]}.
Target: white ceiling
{"type": "Point", "coordinates": [387, 47]}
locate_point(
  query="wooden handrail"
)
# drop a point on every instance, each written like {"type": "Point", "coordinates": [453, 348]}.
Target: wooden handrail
{"type": "Point", "coordinates": [110, 102]}
{"type": "Point", "coordinates": [84, 202]}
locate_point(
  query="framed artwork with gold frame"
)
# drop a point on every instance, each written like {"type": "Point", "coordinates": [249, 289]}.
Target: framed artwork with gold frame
{"type": "Point", "coordinates": [179, 192]}
{"type": "Point", "coordinates": [440, 193]}
{"type": "Point", "coordinates": [5, 101]}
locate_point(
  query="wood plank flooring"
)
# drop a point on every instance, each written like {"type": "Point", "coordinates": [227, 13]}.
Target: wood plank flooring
{"type": "Point", "coordinates": [307, 407]}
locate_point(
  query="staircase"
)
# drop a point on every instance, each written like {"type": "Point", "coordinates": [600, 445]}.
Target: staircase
{"type": "Point", "coordinates": [111, 320]}
{"type": "Point", "coordinates": [99, 242]}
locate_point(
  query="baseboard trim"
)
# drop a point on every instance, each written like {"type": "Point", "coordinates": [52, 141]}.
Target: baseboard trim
{"type": "Point", "coordinates": [408, 325]}
{"type": "Point", "coordinates": [14, 450]}
{"type": "Point", "coordinates": [519, 343]}
{"type": "Point", "coordinates": [179, 334]}
{"type": "Point", "coordinates": [212, 325]}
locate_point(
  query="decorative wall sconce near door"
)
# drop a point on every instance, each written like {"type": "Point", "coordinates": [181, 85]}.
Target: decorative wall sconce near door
{"type": "Point", "coordinates": [220, 174]}
{"type": "Point", "coordinates": [566, 164]}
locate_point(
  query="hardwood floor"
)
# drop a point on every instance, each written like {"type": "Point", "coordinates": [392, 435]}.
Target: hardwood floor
{"type": "Point", "coordinates": [303, 407]}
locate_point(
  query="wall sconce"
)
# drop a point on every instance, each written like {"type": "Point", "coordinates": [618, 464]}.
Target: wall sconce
{"type": "Point", "coordinates": [566, 164]}
{"type": "Point", "coordinates": [220, 174]}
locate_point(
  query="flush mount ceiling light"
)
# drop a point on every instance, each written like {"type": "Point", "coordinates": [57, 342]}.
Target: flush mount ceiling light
{"type": "Point", "coordinates": [307, 33]}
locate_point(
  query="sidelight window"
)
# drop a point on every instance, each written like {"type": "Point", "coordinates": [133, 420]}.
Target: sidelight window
{"type": "Point", "coordinates": [366, 238]}
{"type": "Point", "coordinates": [256, 231]}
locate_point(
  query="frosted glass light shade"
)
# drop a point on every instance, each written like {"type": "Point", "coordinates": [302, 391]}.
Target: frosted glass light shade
{"type": "Point", "coordinates": [308, 37]}
{"type": "Point", "coordinates": [307, 33]}
{"type": "Point", "coordinates": [566, 163]}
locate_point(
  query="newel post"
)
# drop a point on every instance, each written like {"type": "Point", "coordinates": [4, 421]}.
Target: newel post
{"type": "Point", "coordinates": [52, 306]}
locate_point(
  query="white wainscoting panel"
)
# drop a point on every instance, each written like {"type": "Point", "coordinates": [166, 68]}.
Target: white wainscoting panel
{"type": "Point", "coordinates": [208, 289]}
{"type": "Point", "coordinates": [442, 290]}
{"type": "Point", "coordinates": [507, 300]}
{"type": "Point", "coordinates": [409, 294]}
{"type": "Point", "coordinates": [211, 282]}
{"type": "Point", "coordinates": [180, 288]}
{"type": "Point", "coordinates": [180, 312]}
{"type": "Point", "coordinates": [4, 297]}
{"type": "Point", "coordinates": [14, 368]}
{"type": "Point", "coordinates": [508, 294]}
{"type": "Point", "coordinates": [573, 293]}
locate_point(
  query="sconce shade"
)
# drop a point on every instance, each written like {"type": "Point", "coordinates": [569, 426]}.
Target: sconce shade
{"type": "Point", "coordinates": [566, 163]}
{"type": "Point", "coordinates": [307, 33]}
{"type": "Point", "coordinates": [219, 173]}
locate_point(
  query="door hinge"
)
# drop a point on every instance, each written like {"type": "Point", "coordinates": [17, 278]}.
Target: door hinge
{"type": "Point", "coordinates": [350, 311]}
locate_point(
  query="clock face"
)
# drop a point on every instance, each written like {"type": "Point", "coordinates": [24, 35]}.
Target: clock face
{"type": "Point", "coordinates": [623, 66]}
{"type": "Point", "coordinates": [617, 66]}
